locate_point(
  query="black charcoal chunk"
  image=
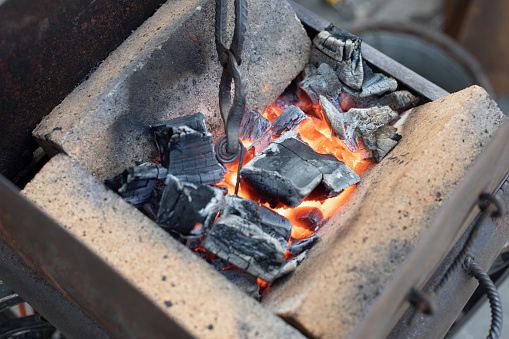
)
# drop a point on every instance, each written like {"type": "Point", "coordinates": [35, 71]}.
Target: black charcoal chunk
{"type": "Point", "coordinates": [270, 222]}
{"type": "Point", "coordinates": [320, 81]}
{"type": "Point", "coordinates": [192, 157]}
{"type": "Point", "coordinates": [151, 206]}
{"type": "Point", "coordinates": [187, 208]}
{"type": "Point", "coordinates": [333, 116]}
{"type": "Point", "coordinates": [135, 184]}
{"type": "Point", "coordinates": [342, 51]}
{"type": "Point", "coordinates": [289, 170]}
{"type": "Point", "coordinates": [289, 120]}
{"type": "Point", "coordinates": [163, 132]}
{"type": "Point", "coordinates": [381, 141]}
{"type": "Point", "coordinates": [245, 245]}
{"type": "Point", "coordinates": [253, 125]}
{"type": "Point", "coordinates": [363, 121]}
{"type": "Point", "coordinates": [399, 100]}
{"type": "Point", "coordinates": [300, 245]}
{"type": "Point", "coordinates": [246, 282]}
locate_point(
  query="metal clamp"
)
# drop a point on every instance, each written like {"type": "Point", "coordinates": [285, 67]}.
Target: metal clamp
{"type": "Point", "coordinates": [230, 59]}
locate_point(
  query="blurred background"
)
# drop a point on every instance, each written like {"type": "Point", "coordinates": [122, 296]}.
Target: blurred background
{"type": "Point", "coordinates": [453, 43]}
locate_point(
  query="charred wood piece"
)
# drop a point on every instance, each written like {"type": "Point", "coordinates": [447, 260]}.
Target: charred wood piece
{"type": "Point", "coordinates": [399, 100]}
{"type": "Point", "coordinates": [363, 121]}
{"type": "Point", "coordinates": [135, 184]}
{"type": "Point", "coordinates": [289, 120]}
{"type": "Point", "coordinates": [253, 125]}
{"type": "Point", "coordinates": [163, 132]}
{"type": "Point", "coordinates": [300, 245]}
{"type": "Point", "coordinates": [289, 170]}
{"type": "Point", "coordinates": [374, 84]}
{"type": "Point", "coordinates": [349, 101]}
{"type": "Point", "coordinates": [261, 143]}
{"type": "Point", "coordinates": [192, 157]}
{"type": "Point", "coordinates": [342, 51]}
{"type": "Point", "coordinates": [381, 141]}
{"type": "Point", "coordinates": [292, 264]}
{"type": "Point", "coordinates": [334, 118]}
{"type": "Point", "coordinates": [151, 206]}
{"type": "Point", "coordinates": [269, 221]}
{"type": "Point", "coordinates": [246, 282]}
{"type": "Point", "coordinates": [245, 245]}
{"type": "Point", "coordinates": [321, 81]}
{"type": "Point", "coordinates": [187, 208]}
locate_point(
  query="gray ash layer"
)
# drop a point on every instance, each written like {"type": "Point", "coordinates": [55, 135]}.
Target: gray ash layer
{"type": "Point", "coordinates": [363, 121]}
{"type": "Point", "coordinates": [289, 170]}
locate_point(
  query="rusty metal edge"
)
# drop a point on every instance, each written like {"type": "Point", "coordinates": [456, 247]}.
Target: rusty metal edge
{"type": "Point", "coordinates": [449, 225]}
{"type": "Point", "coordinates": [452, 299]}
{"type": "Point", "coordinates": [378, 59]}
{"type": "Point", "coordinates": [46, 247]}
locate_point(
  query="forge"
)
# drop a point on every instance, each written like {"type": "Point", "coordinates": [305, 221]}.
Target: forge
{"type": "Point", "coordinates": [352, 166]}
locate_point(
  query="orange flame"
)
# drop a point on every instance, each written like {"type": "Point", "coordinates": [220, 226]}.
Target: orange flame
{"type": "Point", "coordinates": [317, 133]}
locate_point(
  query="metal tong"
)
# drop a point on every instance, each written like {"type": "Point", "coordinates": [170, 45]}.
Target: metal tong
{"type": "Point", "coordinates": [227, 147]}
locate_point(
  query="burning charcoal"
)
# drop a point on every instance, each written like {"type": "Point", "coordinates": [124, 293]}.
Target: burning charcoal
{"type": "Point", "coordinates": [289, 120]}
{"type": "Point", "coordinates": [253, 125]}
{"type": "Point", "coordinates": [342, 51]}
{"type": "Point", "coordinates": [270, 222]}
{"type": "Point", "coordinates": [164, 131]}
{"type": "Point", "coordinates": [300, 245]}
{"type": "Point", "coordinates": [399, 101]}
{"type": "Point", "coordinates": [246, 282]}
{"type": "Point", "coordinates": [192, 157]}
{"type": "Point", "coordinates": [261, 143]}
{"type": "Point", "coordinates": [363, 121]}
{"type": "Point", "coordinates": [349, 101]}
{"type": "Point", "coordinates": [307, 217]}
{"type": "Point", "coordinates": [381, 141]}
{"type": "Point", "coordinates": [135, 184]}
{"type": "Point", "coordinates": [245, 245]}
{"type": "Point", "coordinates": [334, 117]}
{"type": "Point", "coordinates": [289, 170]}
{"type": "Point", "coordinates": [188, 209]}
{"type": "Point", "coordinates": [321, 81]}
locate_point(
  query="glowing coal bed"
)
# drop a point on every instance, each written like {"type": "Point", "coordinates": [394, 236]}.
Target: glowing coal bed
{"type": "Point", "coordinates": [302, 159]}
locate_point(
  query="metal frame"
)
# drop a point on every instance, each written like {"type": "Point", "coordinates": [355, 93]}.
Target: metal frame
{"type": "Point", "coordinates": [119, 308]}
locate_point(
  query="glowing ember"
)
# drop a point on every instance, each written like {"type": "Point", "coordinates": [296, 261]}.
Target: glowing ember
{"type": "Point", "coordinates": [307, 217]}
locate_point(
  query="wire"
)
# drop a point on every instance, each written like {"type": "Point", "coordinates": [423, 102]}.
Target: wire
{"type": "Point", "coordinates": [492, 294]}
